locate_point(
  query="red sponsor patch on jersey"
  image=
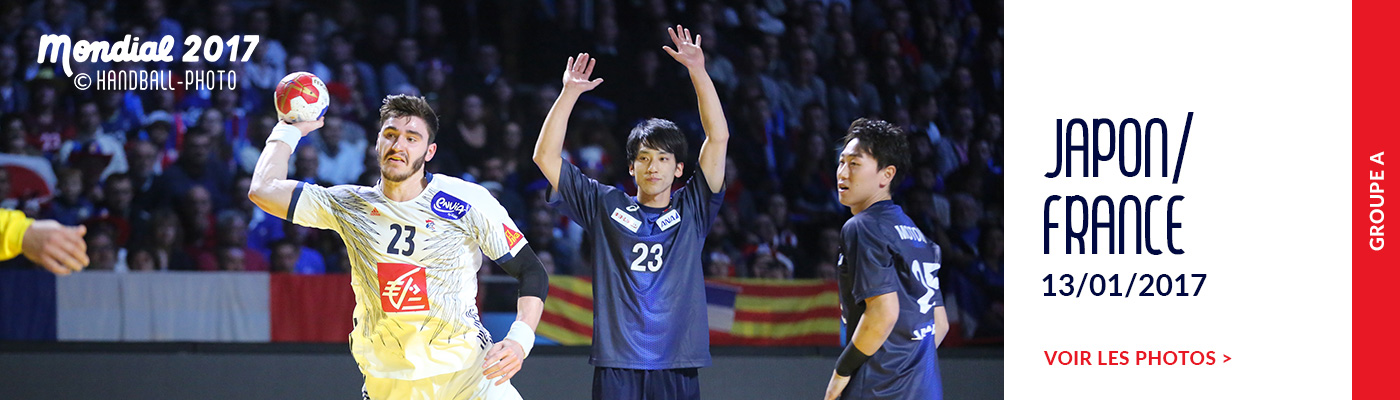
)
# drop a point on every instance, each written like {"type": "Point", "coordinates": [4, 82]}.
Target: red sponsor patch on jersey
{"type": "Point", "coordinates": [402, 287]}
{"type": "Point", "coordinates": [374, 212]}
{"type": "Point", "coordinates": [512, 237]}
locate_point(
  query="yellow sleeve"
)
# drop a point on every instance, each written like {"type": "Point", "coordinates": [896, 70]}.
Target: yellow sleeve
{"type": "Point", "coordinates": [12, 226]}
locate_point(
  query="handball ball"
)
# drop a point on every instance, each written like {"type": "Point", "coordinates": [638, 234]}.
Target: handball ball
{"type": "Point", "coordinates": [300, 97]}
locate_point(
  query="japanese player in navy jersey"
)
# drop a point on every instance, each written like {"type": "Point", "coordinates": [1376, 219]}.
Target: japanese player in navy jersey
{"type": "Point", "coordinates": [888, 277]}
{"type": "Point", "coordinates": [650, 330]}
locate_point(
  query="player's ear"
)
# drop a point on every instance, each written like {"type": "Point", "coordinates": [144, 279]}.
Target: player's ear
{"type": "Point", "coordinates": [680, 168]}
{"type": "Point", "coordinates": [432, 150]}
{"type": "Point", "coordinates": [887, 175]}
{"type": "Point", "coordinates": [632, 169]}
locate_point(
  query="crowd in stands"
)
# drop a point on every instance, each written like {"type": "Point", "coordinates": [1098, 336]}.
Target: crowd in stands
{"type": "Point", "coordinates": [160, 176]}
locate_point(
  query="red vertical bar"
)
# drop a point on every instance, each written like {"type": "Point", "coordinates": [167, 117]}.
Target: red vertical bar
{"type": "Point", "coordinates": [1375, 272]}
{"type": "Point", "coordinates": [310, 308]}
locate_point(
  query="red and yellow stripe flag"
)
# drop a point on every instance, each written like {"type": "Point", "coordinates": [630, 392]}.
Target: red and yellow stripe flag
{"type": "Point", "coordinates": [742, 312]}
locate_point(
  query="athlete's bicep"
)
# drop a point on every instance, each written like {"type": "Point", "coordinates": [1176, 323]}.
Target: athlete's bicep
{"type": "Point", "coordinates": [274, 197]}
{"type": "Point", "coordinates": [712, 159]}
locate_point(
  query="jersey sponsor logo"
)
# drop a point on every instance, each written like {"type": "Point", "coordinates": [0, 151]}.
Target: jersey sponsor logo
{"type": "Point", "coordinates": [374, 211]}
{"type": "Point", "coordinates": [402, 288]}
{"type": "Point", "coordinates": [910, 233]}
{"type": "Point", "coordinates": [432, 226]}
{"type": "Point", "coordinates": [926, 331]}
{"type": "Point", "coordinates": [633, 208]}
{"type": "Point", "coordinates": [627, 220]}
{"type": "Point", "coordinates": [668, 220]}
{"type": "Point", "coordinates": [512, 237]}
{"type": "Point", "coordinates": [446, 206]}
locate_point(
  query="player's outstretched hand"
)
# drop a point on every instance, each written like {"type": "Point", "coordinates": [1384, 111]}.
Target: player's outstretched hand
{"type": "Point", "coordinates": [687, 52]}
{"type": "Point", "coordinates": [306, 127]}
{"type": "Point", "coordinates": [59, 249]}
{"type": "Point", "coordinates": [836, 386]}
{"type": "Point", "coordinates": [577, 72]}
{"type": "Point", "coordinates": [503, 360]}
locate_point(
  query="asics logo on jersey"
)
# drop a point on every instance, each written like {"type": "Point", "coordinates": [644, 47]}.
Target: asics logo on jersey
{"type": "Point", "coordinates": [924, 332]}
{"type": "Point", "coordinates": [446, 206]}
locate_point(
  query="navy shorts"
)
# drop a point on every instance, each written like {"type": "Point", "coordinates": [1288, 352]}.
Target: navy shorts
{"type": "Point", "coordinates": [642, 384]}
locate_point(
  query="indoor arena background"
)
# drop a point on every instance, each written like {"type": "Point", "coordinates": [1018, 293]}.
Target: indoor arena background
{"type": "Point", "coordinates": [195, 293]}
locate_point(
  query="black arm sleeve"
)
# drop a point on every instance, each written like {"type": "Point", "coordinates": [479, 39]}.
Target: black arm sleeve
{"type": "Point", "coordinates": [526, 268]}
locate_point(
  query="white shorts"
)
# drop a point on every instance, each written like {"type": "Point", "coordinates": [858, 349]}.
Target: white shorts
{"type": "Point", "coordinates": [467, 384]}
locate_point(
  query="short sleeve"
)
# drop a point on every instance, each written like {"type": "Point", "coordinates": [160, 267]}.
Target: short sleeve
{"type": "Point", "coordinates": [578, 195]}
{"type": "Point", "coordinates": [316, 207]}
{"type": "Point", "coordinates": [870, 261]}
{"type": "Point", "coordinates": [697, 196]}
{"type": "Point", "coordinates": [495, 231]}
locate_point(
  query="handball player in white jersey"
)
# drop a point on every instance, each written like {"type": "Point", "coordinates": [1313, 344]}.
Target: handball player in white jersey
{"type": "Point", "coordinates": [415, 242]}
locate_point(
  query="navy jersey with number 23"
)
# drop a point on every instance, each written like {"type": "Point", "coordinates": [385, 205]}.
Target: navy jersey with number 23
{"type": "Point", "coordinates": [648, 285]}
{"type": "Point", "coordinates": [883, 252]}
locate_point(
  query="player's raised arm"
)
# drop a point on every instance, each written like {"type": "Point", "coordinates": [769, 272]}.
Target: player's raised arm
{"type": "Point", "coordinates": [270, 189]}
{"type": "Point", "coordinates": [550, 146]}
{"type": "Point", "coordinates": [712, 152]}
{"type": "Point", "coordinates": [881, 312]}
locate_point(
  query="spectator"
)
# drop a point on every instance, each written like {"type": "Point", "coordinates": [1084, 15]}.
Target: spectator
{"type": "Point", "coordinates": [48, 125]}
{"type": "Point", "coordinates": [269, 60]}
{"type": "Point", "coordinates": [70, 206]}
{"type": "Point", "coordinates": [341, 156]}
{"type": "Point", "coordinates": [197, 167]}
{"type": "Point", "coordinates": [167, 253]}
{"type": "Point", "coordinates": [308, 260]}
{"type": "Point", "coordinates": [118, 212]}
{"type": "Point", "coordinates": [306, 165]}
{"type": "Point", "coordinates": [197, 214]}
{"type": "Point", "coordinates": [231, 259]}
{"type": "Point", "coordinates": [463, 144]}
{"type": "Point", "coordinates": [13, 139]}
{"type": "Point", "coordinates": [855, 97]}
{"type": "Point", "coordinates": [804, 88]}
{"type": "Point", "coordinates": [14, 97]}
{"type": "Point", "coordinates": [102, 251]}
{"type": "Point", "coordinates": [97, 153]}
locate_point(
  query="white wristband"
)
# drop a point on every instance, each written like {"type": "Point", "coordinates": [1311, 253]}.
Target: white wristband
{"type": "Point", "coordinates": [285, 133]}
{"type": "Point", "coordinates": [521, 333]}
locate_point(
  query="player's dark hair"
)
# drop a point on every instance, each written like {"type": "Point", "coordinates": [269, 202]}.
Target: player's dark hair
{"type": "Point", "coordinates": [658, 134]}
{"type": "Point", "coordinates": [402, 105]}
{"type": "Point", "coordinates": [881, 140]}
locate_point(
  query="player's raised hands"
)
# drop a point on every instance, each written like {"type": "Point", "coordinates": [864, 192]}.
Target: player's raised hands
{"type": "Point", "coordinates": [306, 127]}
{"type": "Point", "coordinates": [577, 72]}
{"type": "Point", "coordinates": [687, 52]}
